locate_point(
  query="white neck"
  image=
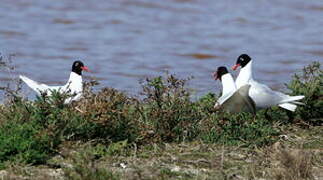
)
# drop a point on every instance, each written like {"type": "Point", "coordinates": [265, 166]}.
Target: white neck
{"type": "Point", "coordinates": [228, 84]}
{"type": "Point", "coordinates": [245, 75]}
{"type": "Point", "coordinates": [75, 83]}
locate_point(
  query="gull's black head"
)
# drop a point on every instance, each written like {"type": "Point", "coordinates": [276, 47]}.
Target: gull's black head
{"type": "Point", "coordinates": [220, 72]}
{"type": "Point", "coordinates": [242, 61]}
{"type": "Point", "coordinates": [78, 67]}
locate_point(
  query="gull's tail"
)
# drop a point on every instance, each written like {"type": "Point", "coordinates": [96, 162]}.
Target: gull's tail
{"type": "Point", "coordinates": [291, 103]}
{"type": "Point", "coordinates": [34, 85]}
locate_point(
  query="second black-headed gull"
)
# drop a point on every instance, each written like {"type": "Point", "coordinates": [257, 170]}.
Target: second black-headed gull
{"type": "Point", "coordinates": [233, 100]}
{"type": "Point", "coordinates": [263, 96]}
{"type": "Point", "coordinates": [74, 85]}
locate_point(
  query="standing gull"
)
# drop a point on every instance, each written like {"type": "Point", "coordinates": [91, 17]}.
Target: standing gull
{"type": "Point", "coordinates": [263, 96]}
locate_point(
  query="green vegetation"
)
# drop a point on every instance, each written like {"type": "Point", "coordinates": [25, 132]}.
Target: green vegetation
{"type": "Point", "coordinates": [310, 84]}
{"type": "Point", "coordinates": [109, 125]}
{"type": "Point", "coordinates": [239, 129]}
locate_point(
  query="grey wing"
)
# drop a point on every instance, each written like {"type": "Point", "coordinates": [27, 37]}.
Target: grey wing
{"type": "Point", "coordinates": [249, 102]}
{"type": "Point", "coordinates": [264, 96]}
{"type": "Point", "coordinates": [239, 101]}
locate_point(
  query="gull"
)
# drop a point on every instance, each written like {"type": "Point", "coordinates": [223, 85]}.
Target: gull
{"type": "Point", "coordinates": [74, 85]}
{"type": "Point", "coordinates": [263, 96]}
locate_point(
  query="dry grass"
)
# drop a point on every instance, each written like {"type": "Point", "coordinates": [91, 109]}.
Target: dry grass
{"type": "Point", "coordinates": [291, 164]}
{"type": "Point", "coordinates": [194, 160]}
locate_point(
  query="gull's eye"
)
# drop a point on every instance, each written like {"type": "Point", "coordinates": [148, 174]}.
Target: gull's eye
{"type": "Point", "coordinates": [241, 59]}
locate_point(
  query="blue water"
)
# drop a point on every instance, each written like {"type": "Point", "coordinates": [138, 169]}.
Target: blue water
{"type": "Point", "coordinates": [123, 41]}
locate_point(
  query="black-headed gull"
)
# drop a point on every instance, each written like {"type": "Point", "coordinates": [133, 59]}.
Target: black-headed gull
{"type": "Point", "coordinates": [263, 96]}
{"type": "Point", "coordinates": [74, 85]}
{"type": "Point", "coordinates": [233, 100]}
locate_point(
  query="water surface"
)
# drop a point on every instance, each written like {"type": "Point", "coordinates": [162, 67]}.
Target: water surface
{"type": "Point", "coordinates": [123, 41]}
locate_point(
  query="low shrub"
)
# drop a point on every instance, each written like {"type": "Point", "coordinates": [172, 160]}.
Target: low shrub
{"type": "Point", "coordinates": [166, 110]}
{"type": "Point", "coordinates": [112, 112]}
{"type": "Point", "coordinates": [242, 128]}
{"type": "Point", "coordinates": [30, 132]}
{"type": "Point", "coordinates": [24, 142]}
{"type": "Point", "coordinates": [310, 84]}
{"type": "Point", "coordinates": [22, 137]}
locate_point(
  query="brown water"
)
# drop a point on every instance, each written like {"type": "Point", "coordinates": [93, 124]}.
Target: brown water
{"type": "Point", "coordinates": [123, 41]}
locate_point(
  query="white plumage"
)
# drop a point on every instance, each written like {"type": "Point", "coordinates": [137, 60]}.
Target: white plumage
{"type": "Point", "coordinates": [232, 99]}
{"type": "Point", "coordinates": [228, 88]}
{"type": "Point", "coordinates": [263, 96]}
{"type": "Point", "coordinates": [74, 85]}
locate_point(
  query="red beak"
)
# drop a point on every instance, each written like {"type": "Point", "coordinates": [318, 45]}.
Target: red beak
{"type": "Point", "coordinates": [85, 68]}
{"type": "Point", "coordinates": [235, 67]}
